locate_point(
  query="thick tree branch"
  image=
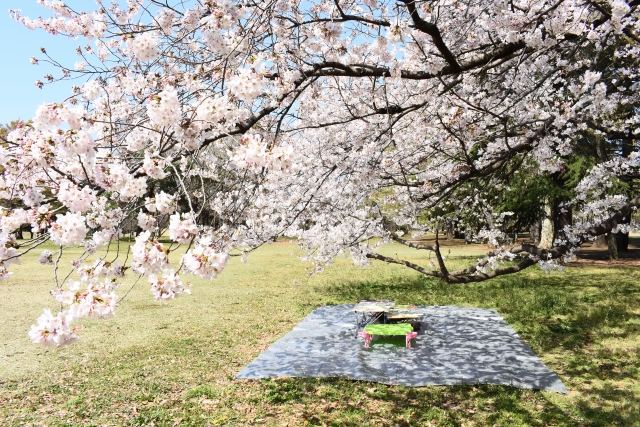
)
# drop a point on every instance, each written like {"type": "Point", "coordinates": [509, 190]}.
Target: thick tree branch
{"type": "Point", "coordinates": [411, 244]}
{"type": "Point", "coordinates": [528, 262]}
{"type": "Point", "coordinates": [338, 69]}
{"type": "Point", "coordinates": [497, 162]}
{"type": "Point", "coordinates": [434, 32]}
{"type": "Point", "coordinates": [612, 134]}
{"type": "Point", "coordinates": [533, 253]}
{"type": "Point", "coordinates": [411, 265]}
{"type": "Point", "coordinates": [343, 18]}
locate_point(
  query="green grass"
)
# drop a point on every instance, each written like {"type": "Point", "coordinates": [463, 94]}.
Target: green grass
{"type": "Point", "coordinates": [173, 364]}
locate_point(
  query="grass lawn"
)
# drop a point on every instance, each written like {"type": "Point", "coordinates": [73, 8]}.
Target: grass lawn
{"type": "Point", "coordinates": [173, 364]}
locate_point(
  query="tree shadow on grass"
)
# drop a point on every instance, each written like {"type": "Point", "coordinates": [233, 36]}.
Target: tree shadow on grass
{"type": "Point", "coordinates": [565, 310]}
{"type": "Point", "coordinates": [567, 315]}
{"type": "Point", "coordinates": [413, 406]}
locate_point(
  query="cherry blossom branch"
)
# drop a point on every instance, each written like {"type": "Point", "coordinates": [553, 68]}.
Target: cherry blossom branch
{"type": "Point", "coordinates": [471, 274]}
{"type": "Point", "coordinates": [416, 267]}
{"type": "Point", "coordinates": [411, 244]}
{"type": "Point", "coordinates": [436, 36]}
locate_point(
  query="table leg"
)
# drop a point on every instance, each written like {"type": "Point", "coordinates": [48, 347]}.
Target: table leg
{"type": "Point", "coordinates": [367, 338]}
{"type": "Point", "coordinates": [410, 336]}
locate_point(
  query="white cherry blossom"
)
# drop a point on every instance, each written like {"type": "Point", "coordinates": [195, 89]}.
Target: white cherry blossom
{"type": "Point", "coordinates": [244, 121]}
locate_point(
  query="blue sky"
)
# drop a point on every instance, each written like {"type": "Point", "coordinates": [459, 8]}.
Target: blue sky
{"type": "Point", "coordinates": [19, 97]}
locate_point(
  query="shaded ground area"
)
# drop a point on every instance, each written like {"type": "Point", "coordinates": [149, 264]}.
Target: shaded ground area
{"type": "Point", "coordinates": [455, 345]}
{"type": "Point", "coordinates": [588, 256]}
{"type": "Point", "coordinates": [599, 257]}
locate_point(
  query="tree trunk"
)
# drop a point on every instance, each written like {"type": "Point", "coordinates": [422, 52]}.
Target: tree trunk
{"type": "Point", "coordinates": [546, 229]}
{"type": "Point", "coordinates": [534, 232]}
{"type": "Point", "coordinates": [457, 233]}
{"type": "Point", "coordinates": [622, 239]}
{"type": "Point", "coordinates": [600, 242]}
{"type": "Point", "coordinates": [562, 216]}
{"type": "Point", "coordinates": [449, 230]}
{"type": "Point", "coordinates": [611, 243]}
{"type": "Point", "coordinates": [622, 242]}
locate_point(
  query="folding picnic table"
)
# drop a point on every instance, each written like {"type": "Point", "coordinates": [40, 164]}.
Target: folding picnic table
{"type": "Point", "coordinates": [367, 312]}
{"type": "Point", "coordinates": [402, 313]}
{"type": "Point", "coordinates": [388, 329]}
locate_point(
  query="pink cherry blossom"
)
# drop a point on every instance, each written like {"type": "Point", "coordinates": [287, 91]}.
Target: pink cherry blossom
{"type": "Point", "coordinates": [53, 330]}
{"type": "Point", "coordinates": [149, 256]}
{"type": "Point", "coordinates": [204, 261]}
{"type": "Point", "coordinates": [182, 229]}
{"type": "Point", "coordinates": [168, 286]}
{"type": "Point", "coordinates": [230, 123]}
{"type": "Point", "coordinates": [144, 46]}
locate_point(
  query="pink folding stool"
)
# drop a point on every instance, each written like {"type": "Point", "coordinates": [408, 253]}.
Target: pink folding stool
{"type": "Point", "coordinates": [410, 336]}
{"type": "Point", "coordinates": [367, 338]}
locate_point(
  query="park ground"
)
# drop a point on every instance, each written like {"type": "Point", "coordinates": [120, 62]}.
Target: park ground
{"type": "Point", "coordinates": [173, 364]}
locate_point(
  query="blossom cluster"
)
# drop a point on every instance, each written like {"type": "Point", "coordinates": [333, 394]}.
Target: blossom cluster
{"type": "Point", "coordinates": [168, 286]}
{"type": "Point", "coordinates": [254, 151]}
{"type": "Point", "coordinates": [145, 46]}
{"type": "Point", "coordinates": [333, 124]}
{"type": "Point", "coordinates": [149, 256]}
{"type": "Point", "coordinates": [13, 220]}
{"type": "Point", "coordinates": [53, 331]}
{"type": "Point", "coordinates": [69, 229]}
{"type": "Point", "coordinates": [89, 298]}
{"type": "Point", "coordinates": [8, 254]}
{"type": "Point", "coordinates": [40, 218]}
{"type": "Point", "coordinates": [182, 229]}
{"type": "Point", "coordinates": [146, 221]}
{"type": "Point", "coordinates": [154, 167]}
{"type": "Point", "coordinates": [163, 203]}
{"type": "Point", "coordinates": [246, 84]}
{"type": "Point", "coordinates": [78, 200]}
{"type": "Point", "coordinates": [164, 109]}
{"type": "Point", "coordinates": [204, 261]}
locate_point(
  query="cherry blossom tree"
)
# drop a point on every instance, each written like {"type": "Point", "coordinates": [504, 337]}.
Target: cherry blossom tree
{"type": "Point", "coordinates": [334, 121]}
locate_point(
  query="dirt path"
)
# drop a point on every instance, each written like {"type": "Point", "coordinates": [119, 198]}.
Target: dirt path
{"type": "Point", "coordinates": [589, 257]}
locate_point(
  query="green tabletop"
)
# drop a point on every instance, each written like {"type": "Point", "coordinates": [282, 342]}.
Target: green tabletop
{"type": "Point", "coordinates": [388, 329]}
